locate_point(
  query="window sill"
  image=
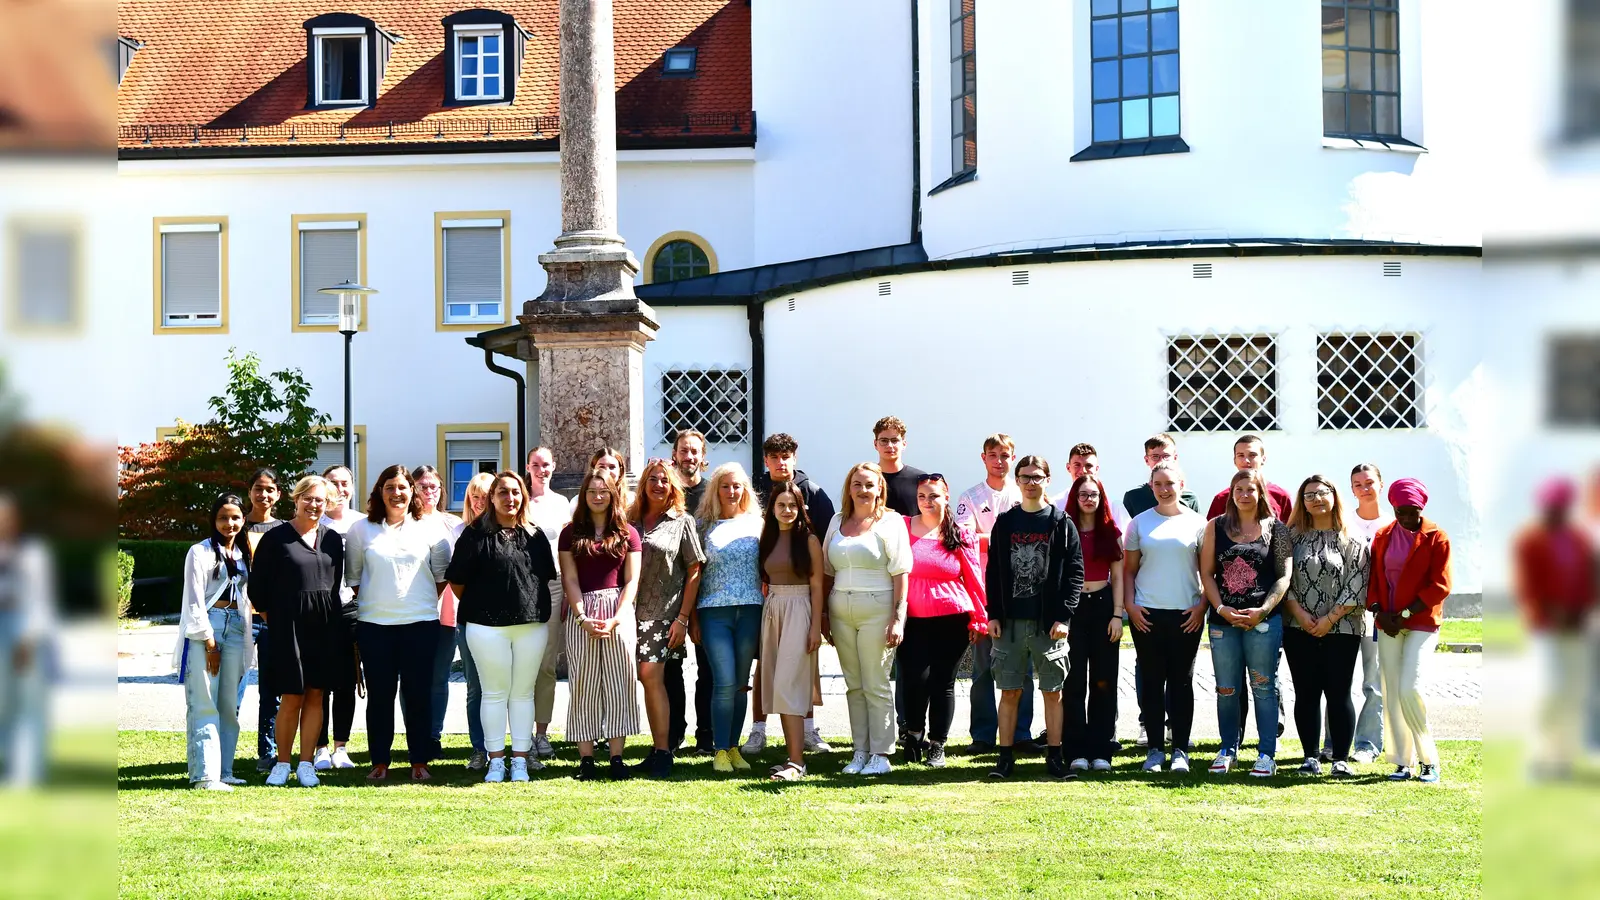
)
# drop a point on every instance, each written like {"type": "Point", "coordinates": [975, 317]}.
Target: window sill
{"type": "Point", "coordinates": [1123, 149]}
{"type": "Point", "coordinates": [953, 180]}
{"type": "Point", "coordinates": [1393, 145]}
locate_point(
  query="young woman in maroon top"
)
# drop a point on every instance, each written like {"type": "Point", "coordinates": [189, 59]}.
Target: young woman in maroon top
{"type": "Point", "coordinates": [1090, 698]}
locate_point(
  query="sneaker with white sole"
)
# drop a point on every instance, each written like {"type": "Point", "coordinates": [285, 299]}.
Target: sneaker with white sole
{"type": "Point", "coordinates": [815, 743]}
{"type": "Point", "coordinates": [541, 746]}
{"type": "Point", "coordinates": [934, 757]}
{"type": "Point", "coordinates": [342, 760]}
{"type": "Point", "coordinates": [1400, 773]}
{"type": "Point", "coordinates": [878, 765]}
{"type": "Point", "coordinates": [478, 761]}
{"type": "Point", "coordinates": [1364, 756]}
{"type": "Point", "coordinates": [1180, 762]}
{"type": "Point", "coordinates": [1100, 765]}
{"type": "Point", "coordinates": [1341, 769]}
{"type": "Point", "coordinates": [519, 768]}
{"type": "Point", "coordinates": [306, 774]}
{"type": "Point", "coordinates": [1143, 740]}
{"type": "Point", "coordinates": [857, 763]}
{"type": "Point", "coordinates": [1223, 764]}
{"type": "Point", "coordinates": [497, 770]}
{"type": "Point", "coordinates": [1153, 761]}
{"type": "Point", "coordinates": [534, 765]}
{"type": "Point", "coordinates": [1079, 765]}
{"type": "Point", "coordinates": [322, 761]}
{"type": "Point", "coordinates": [756, 743]}
{"type": "Point", "coordinates": [1264, 768]}
{"type": "Point", "coordinates": [279, 776]}
{"type": "Point", "coordinates": [1428, 773]}
{"type": "Point", "coordinates": [210, 786]}
{"type": "Point", "coordinates": [233, 780]}
{"type": "Point", "coordinates": [1312, 766]}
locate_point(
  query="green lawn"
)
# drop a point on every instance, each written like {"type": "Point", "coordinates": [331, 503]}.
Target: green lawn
{"type": "Point", "coordinates": [918, 833]}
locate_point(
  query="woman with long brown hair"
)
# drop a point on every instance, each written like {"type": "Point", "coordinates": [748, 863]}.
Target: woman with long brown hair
{"type": "Point", "coordinates": [600, 562]}
{"type": "Point", "coordinates": [790, 562]}
{"type": "Point", "coordinates": [1090, 696]}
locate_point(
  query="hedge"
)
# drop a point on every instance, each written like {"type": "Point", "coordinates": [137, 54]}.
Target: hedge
{"type": "Point", "coordinates": [156, 559]}
{"type": "Point", "coordinates": [124, 583]}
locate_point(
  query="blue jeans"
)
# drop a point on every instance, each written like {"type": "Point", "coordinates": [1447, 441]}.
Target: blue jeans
{"type": "Point", "coordinates": [24, 706]}
{"type": "Point", "coordinates": [474, 689]}
{"type": "Point", "coordinates": [730, 634]}
{"type": "Point", "coordinates": [444, 654]}
{"type": "Point", "coordinates": [211, 720]}
{"type": "Point", "coordinates": [266, 700]}
{"type": "Point", "coordinates": [985, 716]}
{"type": "Point", "coordinates": [1257, 649]}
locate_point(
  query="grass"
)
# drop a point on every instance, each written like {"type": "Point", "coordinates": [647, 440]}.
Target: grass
{"type": "Point", "coordinates": [918, 832]}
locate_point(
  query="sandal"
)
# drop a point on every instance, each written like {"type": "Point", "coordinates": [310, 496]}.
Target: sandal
{"type": "Point", "coordinates": [421, 773]}
{"type": "Point", "coordinates": [378, 773]}
{"type": "Point", "coordinates": [789, 772]}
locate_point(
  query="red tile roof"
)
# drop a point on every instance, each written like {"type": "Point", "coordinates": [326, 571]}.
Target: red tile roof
{"type": "Point", "coordinates": [216, 73]}
{"type": "Point", "coordinates": [56, 75]}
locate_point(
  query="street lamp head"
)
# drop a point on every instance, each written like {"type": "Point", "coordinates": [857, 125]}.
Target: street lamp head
{"type": "Point", "coordinates": [349, 294]}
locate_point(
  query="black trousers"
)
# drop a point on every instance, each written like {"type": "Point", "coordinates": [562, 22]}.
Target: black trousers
{"type": "Point", "coordinates": [702, 699]}
{"type": "Point", "coordinates": [1166, 661]}
{"type": "Point", "coordinates": [677, 722]}
{"type": "Point", "coordinates": [399, 657]}
{"type": "Point", "coordinates": [339, 705]}
{"type": "Point", "coordinates": [929, 656]}
{"type": "Point", "coordinates": [1090, 697]}
{"type": "Point", "coordinates": [1323, 667]}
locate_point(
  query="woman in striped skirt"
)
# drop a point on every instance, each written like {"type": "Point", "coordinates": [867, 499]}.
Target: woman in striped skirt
{"type": "Point", "coordinates": [600, 560]}
{"type": "Point", "coordinates": [791, 620]}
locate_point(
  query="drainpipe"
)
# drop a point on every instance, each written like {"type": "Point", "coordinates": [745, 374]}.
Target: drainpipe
{"type": "Point", "coordinates": [916, 125]}
{"type": "Point", "coordinates": [756, 312]}
{"type": "Point", "coordinates": [522, 405]}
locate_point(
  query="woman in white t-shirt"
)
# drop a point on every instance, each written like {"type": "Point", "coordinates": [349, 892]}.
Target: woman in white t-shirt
{"type": "Point", "coordinates": [1167, 612]}
{"type": "Point", "coordinates": [1366, 483]}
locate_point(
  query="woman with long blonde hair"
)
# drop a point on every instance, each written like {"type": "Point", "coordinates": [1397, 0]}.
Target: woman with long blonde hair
{"type": "Point", "coordinates": [727, 614]}
{"type": "Point", "coordinates": [866, 566]}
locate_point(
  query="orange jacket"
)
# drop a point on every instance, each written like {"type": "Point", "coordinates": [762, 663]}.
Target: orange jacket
{"type": "Point", "coordinates": [1553, 595]}
{"type": "Point", "coordinates": [1426, 577]}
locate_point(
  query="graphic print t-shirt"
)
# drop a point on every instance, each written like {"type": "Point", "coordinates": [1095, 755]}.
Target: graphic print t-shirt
{"type": "Point", "coordinates": [1030, 561]}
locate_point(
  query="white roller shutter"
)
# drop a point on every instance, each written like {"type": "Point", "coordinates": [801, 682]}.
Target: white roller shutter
{"type": "Point", "coordinates": [191, 277]}
{"type": "Point", "coordinates": [327, 257]}
{"type": "Point", "coordinates": [473, 273]}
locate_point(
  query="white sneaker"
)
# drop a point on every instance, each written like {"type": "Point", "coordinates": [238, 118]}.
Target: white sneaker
{"type": "Point", "coordinates": [1153, 761]}
{"type": "Point", "coordinates": [519, 768]}
{"type": "Point", "coordinates": [321, 760]}
{"type": "Point", "coordinates": [306, 774]}
{"type": "Point", "coordinates": [1143, 740]}
{"type": "Point", "coordinates": [815, 743]}
{"type": "Point", "coordinates": [1180, 762]}
{"type": "Point", "coordinates": [1079, 765]}
{"type": "Point", "coordinates": [541, 746]}
{"type": "Point", "coordinates": [1101, 765]}
{"type": "Point", "coordinates": [233, 780]}
{"type": "Point", "coordinates": [342, 760]}
{"type": "Point", "coordinates": [857, 763]}
{"type": "Point", "coordinates": [878, 766]}
{"type": "Point", "coordinates": [279, 776]}
{"type": "Point", "coordinates": [1365, 757]}
{"type": "Point", "coordinates": [756, 743]}
{"type": "Point", "coordinates": [1264, 768]}
{"type": "Point", "coordinates": [497, 770]}
{"type": "Point", "coordinates": [210, 786]}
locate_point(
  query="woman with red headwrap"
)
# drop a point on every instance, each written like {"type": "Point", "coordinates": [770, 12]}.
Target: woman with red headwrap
{"type": "Point", "coordinates": [1406, 593]}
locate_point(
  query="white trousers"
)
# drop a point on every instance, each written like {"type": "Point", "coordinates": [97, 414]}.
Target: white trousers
{"type": "Point", "coordinates": [507, 658]}
{"type": "Point", "coordinates": [1563, 696]}
{"type": "Point", "coordinates": [1401, 658]}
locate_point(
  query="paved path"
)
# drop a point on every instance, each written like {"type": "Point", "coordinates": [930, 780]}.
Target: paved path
{"type": "Point", "coordinates": [149, 697]}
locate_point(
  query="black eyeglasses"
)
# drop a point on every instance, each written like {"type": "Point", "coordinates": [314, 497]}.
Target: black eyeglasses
{"type": "Point", "coordinates": [929, 476]}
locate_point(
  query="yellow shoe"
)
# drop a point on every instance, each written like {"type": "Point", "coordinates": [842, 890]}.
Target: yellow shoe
{"type": "Point", "coordinates": [737, 760]}
{"type": "Point", "coordinates": [722, 763]}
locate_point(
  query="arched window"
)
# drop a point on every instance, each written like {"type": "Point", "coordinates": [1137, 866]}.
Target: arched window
{"type": "Point", "coordinates": [679, 259]}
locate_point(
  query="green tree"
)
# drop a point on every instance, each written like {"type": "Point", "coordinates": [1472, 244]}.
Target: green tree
{"type": "Point", "coordinates": [269, 416]}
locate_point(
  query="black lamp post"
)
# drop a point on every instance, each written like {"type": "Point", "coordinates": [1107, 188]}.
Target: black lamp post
{"type": "Point", "coordinates": [349, 294]}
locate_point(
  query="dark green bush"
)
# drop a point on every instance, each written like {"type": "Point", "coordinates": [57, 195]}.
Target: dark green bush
{"type": "Point", "coordinates": [156, 559]}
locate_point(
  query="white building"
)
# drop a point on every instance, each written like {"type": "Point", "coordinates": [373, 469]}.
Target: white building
{"type": "Point", "coordinates": [1071, 221]}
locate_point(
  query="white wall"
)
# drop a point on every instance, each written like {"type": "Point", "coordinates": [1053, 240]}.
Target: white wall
{"type": "Point", "coordinates": [1250, 75]}
{"type": "Point", "coordinates": [1080, 355]}
{"type": "Point", "coordinates": [832, 85]}
{"type": "Point", "coordinates": [703, 337]}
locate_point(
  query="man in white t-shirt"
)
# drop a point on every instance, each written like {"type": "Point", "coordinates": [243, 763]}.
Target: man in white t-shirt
{"type": "Point", "coordinates": [551, 512]}
{"type": "Point", "coordinates": [1364, 520]}
{"type": "Point", "coordinates": [977, 508]}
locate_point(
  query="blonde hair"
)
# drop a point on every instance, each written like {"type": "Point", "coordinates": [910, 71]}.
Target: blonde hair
{"type": "Point", "coordinates": [847, 502]}
{"type": "Point", "coordinates": [305, 484]}
{"type": "Point", "coordinates": [1301, 520]}
{"type": "Point", "coordinates": [711, 501]}
{"type": "Point", "coordinates": [676, 499]}
{"type": "Point", "coordinates": [999, 439]}
{"type": "Point", "coordinates": [481, 483]}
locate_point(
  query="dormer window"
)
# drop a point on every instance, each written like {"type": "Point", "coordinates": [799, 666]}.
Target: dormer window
{"type": "Point", "coordinates": [483, 57]}
{"type": "Point", "coordinates": [679, 62]}
{"type": "Point", "coordinates": [124, 49]}
{"type": "Point", "coordinates": [346, 56]}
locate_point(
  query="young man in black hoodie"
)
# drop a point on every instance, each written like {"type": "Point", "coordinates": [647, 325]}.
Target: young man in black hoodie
{"type": "Point", "coordinates": [1033, 578]}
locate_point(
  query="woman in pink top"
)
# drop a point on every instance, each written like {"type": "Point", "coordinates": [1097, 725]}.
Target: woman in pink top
{"type": "Point", "coordinates": [945, 612]}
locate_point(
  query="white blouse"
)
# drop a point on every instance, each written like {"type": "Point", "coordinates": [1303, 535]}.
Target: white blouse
{"type": "Point", "coordinates": [397, 568]}
{"type": "Point", "coordinates": [867, 562]}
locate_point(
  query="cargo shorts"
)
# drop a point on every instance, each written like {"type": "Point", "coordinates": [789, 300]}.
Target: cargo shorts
{"type": "Point", "coordinates": [1020, 642]}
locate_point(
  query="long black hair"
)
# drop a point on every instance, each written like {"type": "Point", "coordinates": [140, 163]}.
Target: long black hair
{"type": "Point", "coordinates": [799, 532]}
{"type": "Point", "coordinates": [239, 541]}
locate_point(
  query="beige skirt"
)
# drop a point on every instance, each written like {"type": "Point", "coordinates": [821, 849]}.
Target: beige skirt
{"type": "Point", "coordinates": [790, 682]}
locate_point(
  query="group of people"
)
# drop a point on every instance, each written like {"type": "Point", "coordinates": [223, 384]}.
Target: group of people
{"type": "Point", "coordinates": [757, 574]}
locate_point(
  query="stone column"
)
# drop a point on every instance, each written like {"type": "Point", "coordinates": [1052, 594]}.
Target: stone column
{"type": "Point", "coordinates": [587, 328]}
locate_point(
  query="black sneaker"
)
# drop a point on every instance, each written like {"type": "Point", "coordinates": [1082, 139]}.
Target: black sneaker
{"type": "Point", "coordinates": [935, 755]}
{"type": "Point", "coordinates": [1002, 769]}
{"type": "Point", "coordinates": [663, 766]}
{"type": "Point", "coordinates": [1054, 765]}
{"type": "Point", "coordinates": [264, 766]}
{"type": "Point", "coordinates": [1325, 755]}
{"type": "Point", "coordinates": [911, 749]}
{"type": "Point", "coordinates": [586, 770]}
{"type": "Point", "coordinates": [619, 769]}
{"type": "Point", "coordinates": [977, 747]}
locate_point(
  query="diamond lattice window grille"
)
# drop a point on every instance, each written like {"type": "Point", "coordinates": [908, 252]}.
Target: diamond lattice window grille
{"type": "Point", "coordinates": [1222, 382]}
{"type": "Point", "coordinates": [714, 402]}
{"type": "Point", "coordinates": [1572, 391]}
{"type": "Point", "coordinates": [1369, 380]}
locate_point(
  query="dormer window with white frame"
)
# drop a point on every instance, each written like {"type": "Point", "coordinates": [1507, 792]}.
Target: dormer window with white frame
{"type": "Point", "coordinates": [341, 69]}
{"type": "Point", "coordinates": [480, 62]}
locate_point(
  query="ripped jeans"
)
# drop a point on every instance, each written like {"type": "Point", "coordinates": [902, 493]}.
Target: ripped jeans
{"type": "Point", "coordinates": [1259, 648]}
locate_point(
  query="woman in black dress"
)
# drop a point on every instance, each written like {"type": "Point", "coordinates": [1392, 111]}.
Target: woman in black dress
{"type": "Point", "coordinates": [300, 568]}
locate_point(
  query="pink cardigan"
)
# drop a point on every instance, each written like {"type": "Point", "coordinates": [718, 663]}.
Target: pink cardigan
{"type": "Point", "coordinates": [944, 583]}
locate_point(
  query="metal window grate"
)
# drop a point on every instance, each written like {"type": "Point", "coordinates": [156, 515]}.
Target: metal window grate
{"type": "Point", "coordinates": [1572, 389]}
{"type": "Point", "coordinates": [715, 402]}
{"type": "Point", "coordinates": [883, 289]}
{"type": "Point", "coordinates": [1019, 278]}
{"type": "Point", "coordinates": [1202, 270]}
{"type": "Point", "coordinates": [1222, 382]}
{"type": "Point", "coordinates": [1369, 381]}
{"type": "Point", "coordinates": [1391, 270]}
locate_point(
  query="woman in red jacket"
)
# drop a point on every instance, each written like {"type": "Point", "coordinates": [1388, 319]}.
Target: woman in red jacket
{"type": "Point", "coordinates": [1410, 581]}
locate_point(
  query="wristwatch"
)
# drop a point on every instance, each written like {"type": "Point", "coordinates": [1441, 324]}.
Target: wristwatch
{"type": "Point", "coordinates": [1405, 613]}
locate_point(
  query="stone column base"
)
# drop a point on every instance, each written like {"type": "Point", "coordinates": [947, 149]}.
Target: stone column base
{"type": "Point", "coordinates": [588, 272]}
